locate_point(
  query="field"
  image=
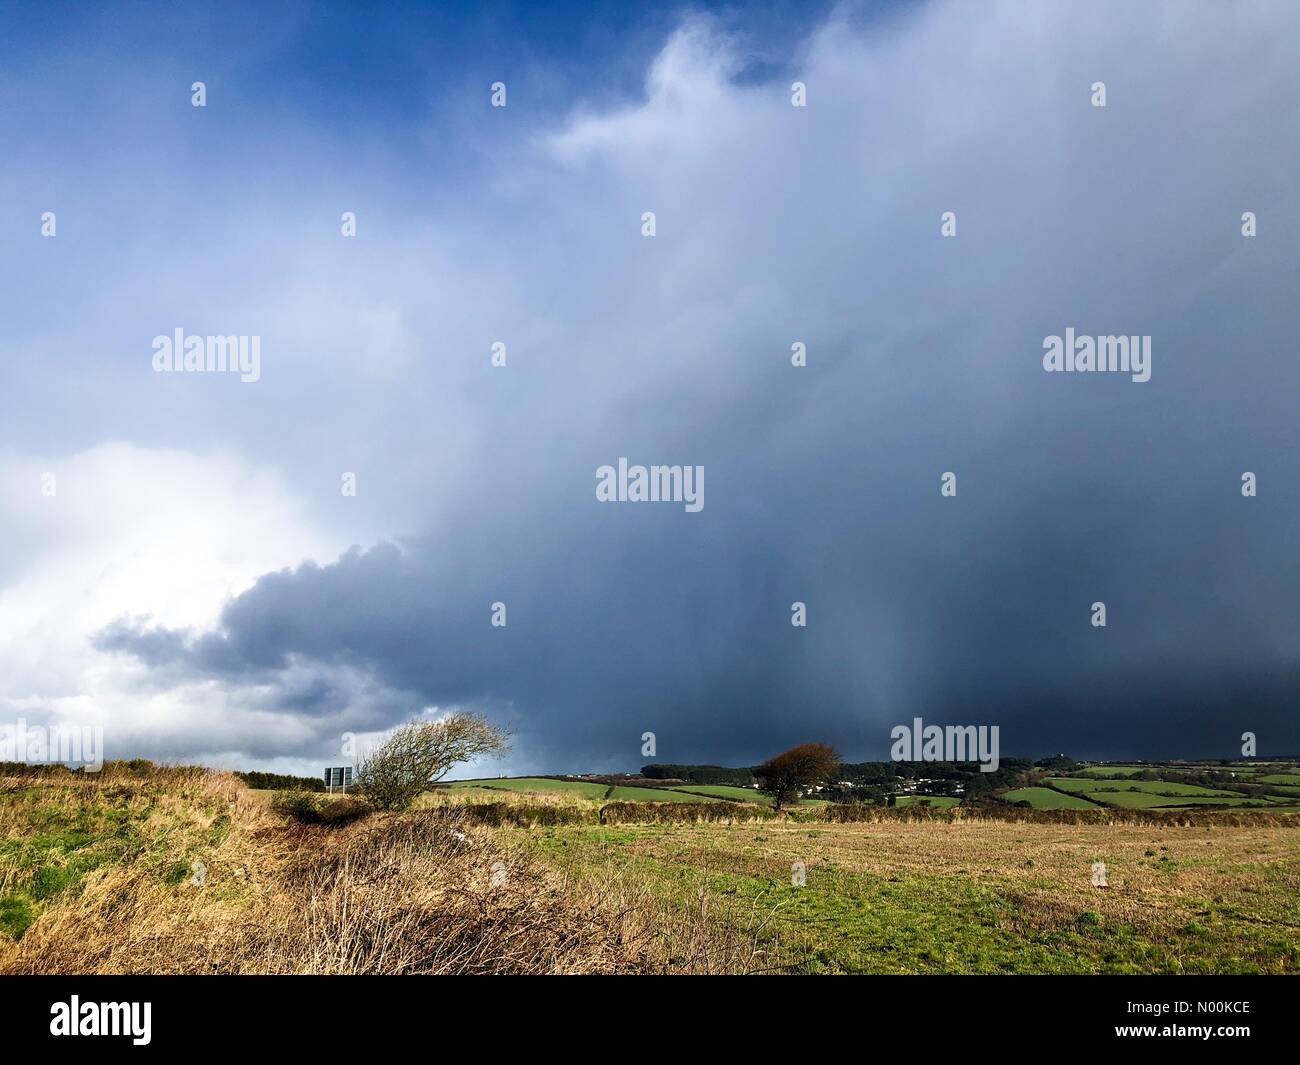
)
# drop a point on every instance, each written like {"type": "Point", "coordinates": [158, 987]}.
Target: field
{"type": "Point", "coordinates": [657, 795]}
{"type": "Point", "coordinates": [724, 791]}
{"type": "Point", "coordinates": [979, 897]}
{"type": "Point", "coordinates": [577, 788]}
{"type": "Point", "coordinates": [937, 801]}
{"type": "Point", "coordinates": [1089, 787]}
{"type": "Point", "coordinates": [184, 871]}
{"type": "Point", "coordinates": [1047, 799]}
{"type": "Point", "coordinates": [1142, 800]}
{"type": "Point", "coordinates": [487, 789]}
{"type": "Point", "coordinates": [1145, 794]}
{"type": "Point", "coordinates": [1247, 786]}
{"type": "Point", "coordinates": [1154, 787]}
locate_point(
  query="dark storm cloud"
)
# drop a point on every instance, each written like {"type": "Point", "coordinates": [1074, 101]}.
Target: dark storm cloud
{"type": "Point", "coordinates": [822, 483]}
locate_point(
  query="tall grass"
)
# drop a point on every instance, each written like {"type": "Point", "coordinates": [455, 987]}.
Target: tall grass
{"type": "Point", "coordinates": [98, 875]}
{"type": "Point", "coordinates": [425, 892]}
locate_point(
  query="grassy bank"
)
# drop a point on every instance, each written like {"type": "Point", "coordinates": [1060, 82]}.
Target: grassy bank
{"type": "Point", "coordinates": [186, 871]}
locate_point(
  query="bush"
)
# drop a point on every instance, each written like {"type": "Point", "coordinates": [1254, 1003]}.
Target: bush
{"type": "Point", "coordinates": [309, 808]}
{"type": "Point", "coordinates": [277, 781]}
{"type": "Point", "coordinates": [299, 805]}
{"type": "Point", "coordinates": [522, 815]}
{"type": "Point", "coordinates": [614, 813]}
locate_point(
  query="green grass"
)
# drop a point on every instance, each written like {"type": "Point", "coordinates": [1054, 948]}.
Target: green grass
{"type": "Point", "coordinates": [937, 801]}
{"type": "Point", "coordinates": [725, 791]}
{"type": "Point", "coordinates": [16, 915]}
{"type": "Point", "coordinates": [656, 795]}
{"type": "Point", "coordinates": [925, 899]}
{"type": "Point", "coordinates": [1163, 770]}
{"type": "Point", "coordinates": [56, 836]}
{"type": "Point", "coordinates": [1088, 787]}
{"type": "Point", "coordinates": [1047, 799]}
{"type": "Point", "coordinates": [1101, 786]}
{"type": "Point", "coordinates": [1290, 791]}
{"type": "Point", "coordinates": [737, 794]}
{"type": "Point", "coordinates": [1257, 772]}
{"type": "Point", "coordinates": [1144, 800]}
{"type": "Point", "coordinates": [584, 789]}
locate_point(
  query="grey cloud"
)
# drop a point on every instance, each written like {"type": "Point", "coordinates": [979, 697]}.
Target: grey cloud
{"type": "Point", "coordinates": [823, 483]}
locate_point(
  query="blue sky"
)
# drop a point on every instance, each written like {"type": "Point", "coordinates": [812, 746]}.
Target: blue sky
{"type": "Point", "coordinates": [199, 585]}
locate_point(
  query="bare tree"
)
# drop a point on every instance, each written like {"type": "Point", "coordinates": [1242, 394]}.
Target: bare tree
{"type": "Point", "coordinates": [785, 776]}
{"type": "Point", "coordinates": [420, 753]}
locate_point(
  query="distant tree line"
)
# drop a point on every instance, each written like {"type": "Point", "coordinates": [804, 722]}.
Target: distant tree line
{"type": "Point", "coordinates": [874, 781]}
{"type": "Point", "coordinates": [701, 774]}
{"type": "Point", "coordinates": [281, 782]}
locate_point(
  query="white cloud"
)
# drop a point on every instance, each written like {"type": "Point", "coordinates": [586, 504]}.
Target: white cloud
{"type": "Point", "coordinates": [141, 531]}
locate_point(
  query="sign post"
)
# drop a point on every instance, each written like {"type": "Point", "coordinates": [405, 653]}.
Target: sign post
{"type": "Point", "coordinates": [338, 777]}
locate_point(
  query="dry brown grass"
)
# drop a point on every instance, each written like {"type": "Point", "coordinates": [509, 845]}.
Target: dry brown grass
{"type": "Point", "coordinates": [126, 917]}
{"type": "Point", "coordinates": [424, 892]}
{"type": "Point", "coordinates": [668, 813]}
{"type": "Point", "coordinates": [1203, 816]}
{"type": "Point", "coordinates": [427, 893]}
{"type": "Point", "coordinates": [443, 890]}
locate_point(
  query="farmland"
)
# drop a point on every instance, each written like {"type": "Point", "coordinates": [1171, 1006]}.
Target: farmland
{"type": "Point", "coordinates": [190, 871]}
{"type": "Point", "coordinates": [984, 897]}
{"type": "Point", "coordinates": [1047, 799]}
{"type": "Point", "coordinates": [657, 795]}
{"type": "Point", "coordinates": [1147, 786]}
{"type": "Point", "coordinates": [1170, 787]}
{"type": "Point", "coordinates": [588, 790]}
{"type": "Point", "coordinates": [1155, 787]}
{"type": "Point", "coordinates": [534, 785]}
{"type": "Point", "coordinates": [723, 791]}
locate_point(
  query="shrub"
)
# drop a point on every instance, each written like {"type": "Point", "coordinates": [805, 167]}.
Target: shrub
{"type": "Point", "coordinates": [523, 815]}
{"type": "Point", "coordinates": [614, 813]}
{"type": "Point", "coordinates": [299, 805]}
{"type": "Point", "coordinates": [309, 808]}
{"type": "Point", "coordinates": [276, 781]}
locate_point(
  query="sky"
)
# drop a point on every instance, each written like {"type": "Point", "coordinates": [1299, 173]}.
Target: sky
{"type": "Point", "coordinates": [181, 566]}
